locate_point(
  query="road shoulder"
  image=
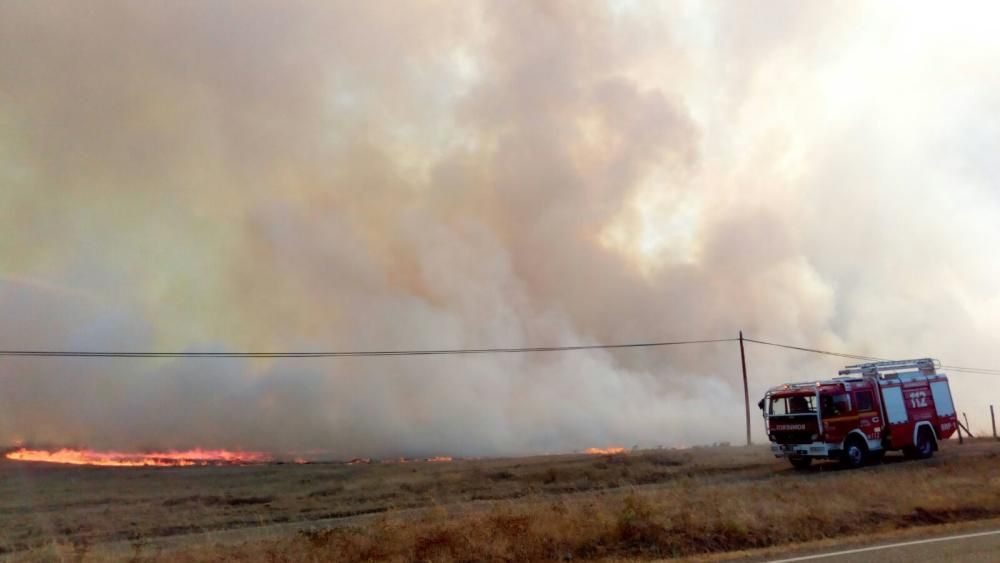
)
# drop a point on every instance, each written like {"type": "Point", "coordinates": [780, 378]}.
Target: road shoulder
{"type": "Point", "coordinates": [851, 542]}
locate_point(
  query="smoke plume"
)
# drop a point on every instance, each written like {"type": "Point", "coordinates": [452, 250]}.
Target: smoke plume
{"type": "Point", "coordinates": [261, 176]}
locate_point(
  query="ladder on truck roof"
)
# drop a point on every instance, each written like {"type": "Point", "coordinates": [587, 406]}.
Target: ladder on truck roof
{"type": "Point", "coordinates": [926, 366]}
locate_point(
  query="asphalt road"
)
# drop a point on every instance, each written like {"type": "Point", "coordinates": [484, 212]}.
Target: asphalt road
{"type": "Point", "coordinates": [967, 548]}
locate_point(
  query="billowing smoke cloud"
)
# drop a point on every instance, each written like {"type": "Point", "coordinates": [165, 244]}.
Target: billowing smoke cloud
{"type": "Point", "coordinates": [332, 176]}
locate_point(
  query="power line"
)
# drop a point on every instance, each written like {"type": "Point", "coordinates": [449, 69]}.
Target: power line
{"type": "Point", "coordinates": [367, 353]}
{"type": "Point", "coordinates": [981, 371]}
{"type": "Point", "coordinates": [815, 351]}
{"type": "Point", "coordinates": [457, 351]}
{"type": "Point", "coordinates": [957, 369]}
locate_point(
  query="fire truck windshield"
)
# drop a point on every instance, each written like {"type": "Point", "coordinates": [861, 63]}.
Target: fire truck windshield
{"type": "Point", "coordinates": [795, 404]}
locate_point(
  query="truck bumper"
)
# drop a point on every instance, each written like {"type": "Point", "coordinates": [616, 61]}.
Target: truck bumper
{"type": "Point", "coordinates": [815, 449]}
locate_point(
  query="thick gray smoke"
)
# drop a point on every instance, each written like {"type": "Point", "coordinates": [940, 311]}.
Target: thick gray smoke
{"type": "Point", "coordinates": [336, 176]}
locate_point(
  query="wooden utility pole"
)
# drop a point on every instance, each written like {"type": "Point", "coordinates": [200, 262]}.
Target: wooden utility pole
{"type": "Point", "coordinates": [964, 427]}
{"type": "Point", "coordinates": [746, 388]}
{"type": "Point", "coordinates": [993, 421]}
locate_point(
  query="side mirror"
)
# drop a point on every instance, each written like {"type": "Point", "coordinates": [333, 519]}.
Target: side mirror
{"type": "Point", "coordinates": [760, 404]}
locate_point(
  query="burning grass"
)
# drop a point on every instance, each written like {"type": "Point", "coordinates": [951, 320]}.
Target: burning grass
{"type": "Point", "coordinates": [171, 458]}
{"type": "Point", "coordinates": [604, 451]}
{"type": "Point", "coordinates": [636, 506]}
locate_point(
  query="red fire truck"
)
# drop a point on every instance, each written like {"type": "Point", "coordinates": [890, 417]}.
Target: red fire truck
{"type": "Point", "coordinates": [855, 418]}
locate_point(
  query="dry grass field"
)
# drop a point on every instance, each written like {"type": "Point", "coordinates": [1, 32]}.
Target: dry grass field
{"type": "Point", "coordinates": [640, 505]}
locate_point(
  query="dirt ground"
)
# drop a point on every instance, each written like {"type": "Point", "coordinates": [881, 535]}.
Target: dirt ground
{"type": "Point", "coordinates": [639, 505]}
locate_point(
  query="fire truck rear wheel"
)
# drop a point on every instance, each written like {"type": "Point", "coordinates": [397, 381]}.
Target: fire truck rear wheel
{"type": "Point", "coordinates": [925, 444]}
{"type": "Point", "coordinates": [800, 462]}
{"type": "Point", "coordinates": [855, 453]}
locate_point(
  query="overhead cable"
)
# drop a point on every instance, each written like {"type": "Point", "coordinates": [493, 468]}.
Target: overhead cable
{"type": "Point", "coordinates": [365, 353]}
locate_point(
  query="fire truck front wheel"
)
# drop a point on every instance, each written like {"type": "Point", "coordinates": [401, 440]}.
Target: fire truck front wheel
{"type": "Point", "coordinates": [855, 453]}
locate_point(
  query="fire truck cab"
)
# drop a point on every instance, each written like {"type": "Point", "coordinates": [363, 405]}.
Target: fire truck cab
{"type": "Point", "coordinates": [856, 417]}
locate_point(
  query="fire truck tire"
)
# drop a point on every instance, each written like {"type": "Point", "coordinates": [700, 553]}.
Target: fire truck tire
{"type": "Point", "coordinates": [925, 444]}
{"type": "Point", "coordinates": [800, 462]}
{"type": "Point", "coordinates": [855, 453]}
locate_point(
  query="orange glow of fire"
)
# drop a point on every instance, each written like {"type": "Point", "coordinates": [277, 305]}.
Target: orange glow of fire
{"type": "Point", "coordinates": [139, 459]}
{"type": "Point", "coordinates": [599, 451]}
{"type": "Point", "coordinates": [439, 458]}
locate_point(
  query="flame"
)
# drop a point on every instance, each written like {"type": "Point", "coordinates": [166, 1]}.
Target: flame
{"type": "Point", "coordinates": [599, 451]}
{"type": "Point", "coordinates": [138, 459]}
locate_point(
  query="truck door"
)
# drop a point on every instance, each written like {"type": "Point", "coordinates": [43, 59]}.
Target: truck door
{"type": "Point", "coordinates": [947, 419]}
{"type": "Point", "coordinates": [869, 420]}
{"type": "Point", "coordinates": [900, 426]}
{"type": "Point", "coordinates": [838, 420]}
{"type": "Point", "coordinates": [919, 401]}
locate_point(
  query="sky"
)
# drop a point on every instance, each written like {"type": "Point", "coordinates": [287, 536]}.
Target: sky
{"type": "Point", "coordinates": [263, 176]}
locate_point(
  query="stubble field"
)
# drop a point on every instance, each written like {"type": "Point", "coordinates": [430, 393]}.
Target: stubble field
{"type": "Point", "coordinates": [638, 505]}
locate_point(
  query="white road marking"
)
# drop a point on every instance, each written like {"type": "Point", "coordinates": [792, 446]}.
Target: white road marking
{"type": "Point", "coordinates": [886, 546]}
